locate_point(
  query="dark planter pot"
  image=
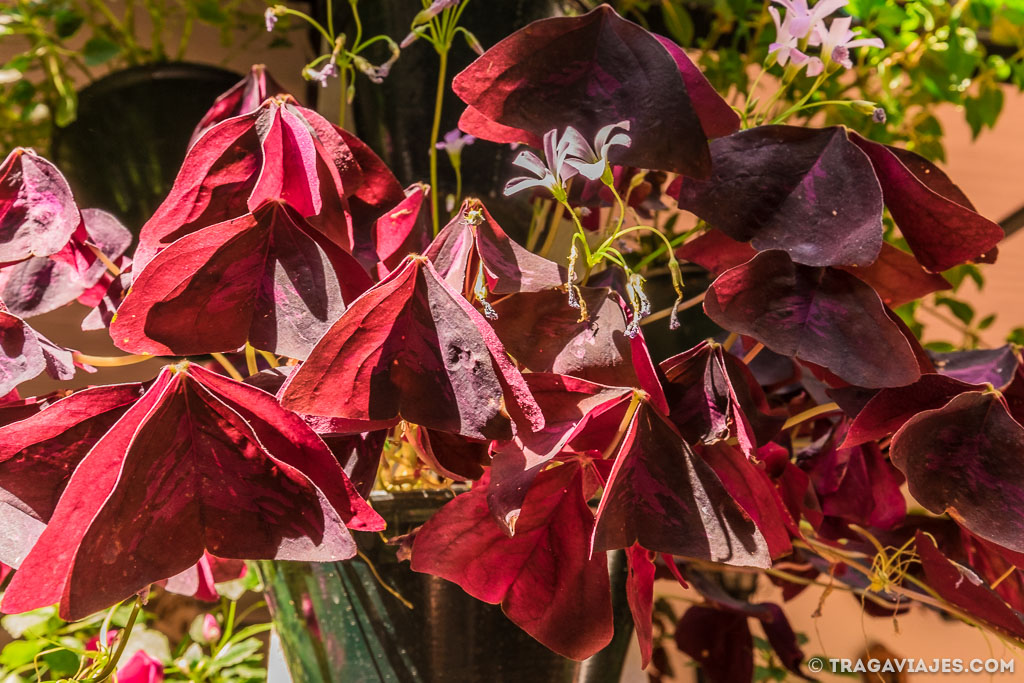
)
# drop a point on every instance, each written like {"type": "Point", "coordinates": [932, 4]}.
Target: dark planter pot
{"type": "Point", "coordinates": [123, 151]}
{"type": "Point", "coordinates": [395, 116]}
{"type": "Point", "coordinates": [336, 623]}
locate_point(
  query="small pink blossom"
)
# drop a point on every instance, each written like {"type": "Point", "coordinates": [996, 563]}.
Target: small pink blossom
{"type": "Point", "coordinates": [141, 668]}
{"type": "Point", "coordinates": [211, 628]}
{"type": "Point", "coordinates": [838, 39]}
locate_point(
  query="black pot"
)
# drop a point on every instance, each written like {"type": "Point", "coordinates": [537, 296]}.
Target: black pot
{"type": "Point", "coordinates": [395, 117]}
{"type": "Point", "coordinates": [336, 622]}
{"type": "Point", "coordinates": [124, 150]}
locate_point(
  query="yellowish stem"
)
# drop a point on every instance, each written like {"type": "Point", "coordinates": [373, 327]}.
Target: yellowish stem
{"type": "Point", "coordinates": [111, 266]}
{"type": "Point", "coordinates": [228, 366]}
{"type": "Point", "coordinates": [810, 414]}
{"type": "Point", "coordinates": [110, 361]}
{"type": "Point", "coordinates": [666, 312]}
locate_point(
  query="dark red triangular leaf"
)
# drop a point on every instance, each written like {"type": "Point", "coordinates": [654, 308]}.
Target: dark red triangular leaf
{"type": "Point", "coordinates": [38, 214]}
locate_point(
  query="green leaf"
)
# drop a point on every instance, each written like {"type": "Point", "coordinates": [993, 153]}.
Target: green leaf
{"type": "Point", "coordinates": [67, 22]}
{"type": "Point", "coordinates": [32, 624]}
{"type": "Point", "coordinates": [210, 12]}
{"type": "Point", "coordinates": [678, 22]}
{"type": "Point", "coordinates": [21, 652]}
{"type": "Point", "coordinates": [236, 654]}
{"type": "Point", "coordinates": [986, 322]}
{"type": "Point", "coordinates": [98, 50]}
{"type": "Point", "coordinates": [961, 310]}
{"type": "Point", "coordinates": [62, 662]}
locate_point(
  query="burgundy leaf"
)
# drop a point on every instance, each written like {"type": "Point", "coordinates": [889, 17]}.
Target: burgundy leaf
{"type": "Point", "coordinates": [809, 192]}
{"type": "Point", "coordinates": [412, 348]}
{"type": "Point", "coordinates": [996, 564]}
{"type": "Point", "coordinates": [475, 256]}
{"type": "Point", "coordinates": [962, 587]}
{"type": "Point", "coordinates": [940, 225]}
{"type": "Point", "coordinates": [712, 394]}
{"type": "Point", "coordinates": [716, 252]}
{"type": "Point", "coordinates": [824, 316]}
{"type": "Point", "coordinates": [544, 334]}
{"type": "Point", "coordinates": [783, 639]}
{"type": "Point", "coordinates": [640, 596]}
{"type": "Point", "coordinates": [719, 641]}
{"type": "Point", "coordinates": [241, 98]}
{"type": "Point", "coordinates": [888, 410]}
{"type": "Point", "coordinates": [568, 404]}
{"type": "Point", "coordinates": [453, 456]}
{"type": "Point", "coordinates": [279, 152]}
{"type": "Point", "coordinates": [544, 577]}
{"type": "Point", "coordinates": [751, 487]}
{"type": "Point", "coordinates": [373, 190]}
{"type": "Point", "coordinates": [403, 230]}
{"type": "Point", "coordinates": [717, 118]}
{"type": "Point", "coordinates": [863, 487]}
{"type": "Point", "coordinates": [38, 214]}
{"type": "Point", "coordinates": [898, 278]}
{"type": "Point", "coordinates": [963, 458]}
{"type": "Point", "coordinates": [200, 463]}
{"type": "Point", "coordinates": [41, 284]}
{"type": "Point", "coordinates": [24, 354]}
{"type": "Point", "coordinates": [267, 278]}
{"type": "Point", "coordinates": [588, 71]}
{"type": "Point", "coordinates": [665, 498]}
{"type": "Point", "coordinates": [979, 366]}
{"type": "Point", "coordinates": [200, 582]}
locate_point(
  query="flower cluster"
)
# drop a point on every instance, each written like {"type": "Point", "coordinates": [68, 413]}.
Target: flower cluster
{"type": "Point", "coordinates": [804, 26]}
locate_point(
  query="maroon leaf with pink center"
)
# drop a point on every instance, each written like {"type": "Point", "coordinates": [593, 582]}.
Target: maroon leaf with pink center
{"type": "Point", "coordinates": [962, 587]}
{"type": "Point", "coordinates": [940, 224]}
{"type": "Point", "coordinates": [964, 459]}
{"type": "Point", "coordinates": [717, 118]}
{"type": "Point", "coordinates": [859, 485]}
{"type": "Point", "coordinates": [640, 596]}
{"type": "Point", "coordinates": [199, 463]}
{"type": "Point", "coordinates": [712, 394]}
{"type": "Point", "coordinates": [608, 70]}
{"type": "Point", "coordinates": [200, 581]}
{"type": "Point", "coordinates": [889, 409]}
{"type": "Point", "coordinates": [412, 348]}
{"type": "Point", "coordinates": [241, 98]}
{"type": "Point", "coordinates": [279, 152]}
{"type": "Point", "coordinates": [898, 278]}
{"type": "Point", "coordinates": [999, 567]}
{"type": "Point", "coordinates": [544, 577]}
{"type": "Point", "coordinates": [810, 192]}
{"type": "Point", "coordinates": [979, 366]}
{"type": "Point", "coordinates": [544, 334]}
{"type": "Point", "coordinates": [750, 486]}
{"type": "Point", "coordinates": [38, 214]}
{"type": "Point", "coordinates": [38, 455]}
{"type": "Point", "coordinates": [716, 252]}
{"type": "Point", "coordinates": [824, 316]}
{"type": "Point", "coordinates": [665, 498]}
{"type": "Point", "coordinates": [568, 404]}
{"type": "Point", "coordinates": [402, 231]}
{"type": "Point", "coordinates": [719, 641]}
{"type": "Point", "coordinates": [373, 189]}
{"type": "Point", "coordinates": [24, 354]}
{"type": "Point", "coordinates": [42, 284]}
{"type": "Point", "coordinates": [267, 277]}
{"type": "Point", "coordinates": [473, 246]}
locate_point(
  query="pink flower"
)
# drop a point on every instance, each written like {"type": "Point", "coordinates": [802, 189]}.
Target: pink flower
{"type": "Point", "coordinates": [837, 40]}
{"type": "Point", "coordinates": [211, 629]}
{"type": "Point", "coordinates": [785, 47]}
{"type": "Point", "coordinates": [141, 668]}
{"type": "Point", "coordinates": [270, 17]}
{"type": "Point", "coordinates": [801, 20]}
{"type": "Point", "coordinates": [454, 141]}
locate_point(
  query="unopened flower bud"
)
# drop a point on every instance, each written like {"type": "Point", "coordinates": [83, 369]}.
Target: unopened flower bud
{"type": "Point", "coordinates": [473, 43]}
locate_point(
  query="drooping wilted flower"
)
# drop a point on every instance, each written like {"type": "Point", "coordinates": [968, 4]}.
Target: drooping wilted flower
{"type": "Point", "coordinates": [322, 74]}
{"type": "Point", "coordinates": [270, 17]}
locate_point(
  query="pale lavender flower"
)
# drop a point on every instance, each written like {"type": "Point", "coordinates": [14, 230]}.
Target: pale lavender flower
{"type": "Point", "coordinates": [270, 17]}
{"type": "Point", "coordinates": [837, 40]}
{"type": "Point", "coordinates": [591, 162]}
{"type": "Point", "coordinates": [435, 8]}
{"type": "Point", "coordinates": [801, 19]}
{"type": "Point", "coordinates": [454, 141]}
{"type": "Point", "coordinates": [786, 45]}
{"type": "Point", "coordinates": [878, 116]}
{"type": "Point", "coordinates": [557, 171]}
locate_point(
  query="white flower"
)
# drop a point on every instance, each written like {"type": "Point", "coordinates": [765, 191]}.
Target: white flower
{"type": "Point", "coordinates": [593, 161]}
{"type": "Point", "coordinates": [557, 171]}
{"type": "Point", "coordinates": [837, 40]}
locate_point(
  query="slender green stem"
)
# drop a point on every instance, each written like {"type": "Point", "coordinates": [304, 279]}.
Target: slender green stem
{"type": "Point", "coordinates": [310, 20]}
{"type": "Point", "coordinates": [111, 666]}
{"type": "Point", "coordinates": [435, 130]}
